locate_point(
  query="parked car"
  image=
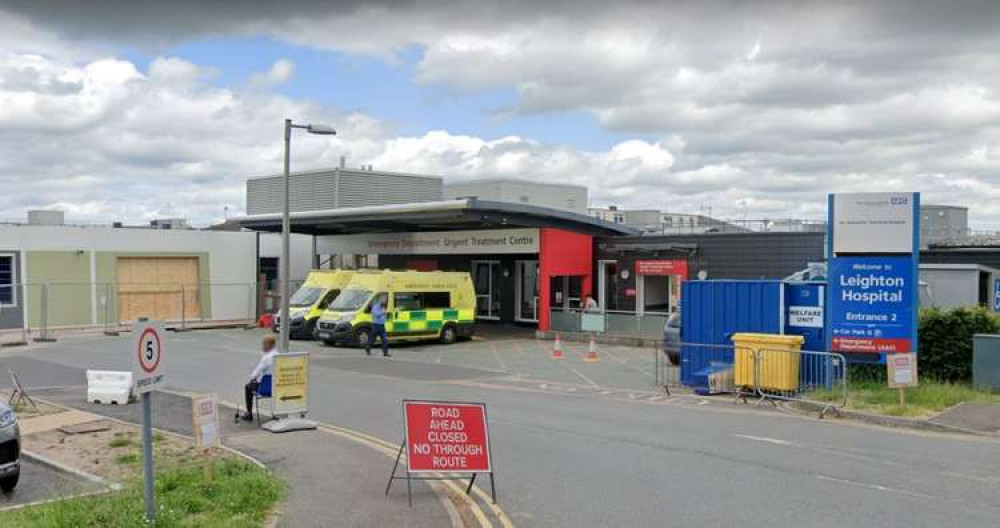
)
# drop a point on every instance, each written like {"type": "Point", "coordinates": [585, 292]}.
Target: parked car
{"type": "Point", "coordinates": [10, 448]}
{"type": "Point", "coordinates": [672, 338]}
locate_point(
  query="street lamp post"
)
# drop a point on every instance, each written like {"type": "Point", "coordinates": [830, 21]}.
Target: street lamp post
{"type": "Point", "coordinates": [286, 227]}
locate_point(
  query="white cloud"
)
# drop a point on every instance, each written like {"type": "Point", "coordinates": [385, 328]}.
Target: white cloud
{"type": "Point", "coordinates": [280, 73]}
{"type": "Point", "coordinates": [772, 104]}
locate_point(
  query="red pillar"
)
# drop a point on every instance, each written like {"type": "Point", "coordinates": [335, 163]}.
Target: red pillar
{"type": "Point", "coordinates": [544, 294]}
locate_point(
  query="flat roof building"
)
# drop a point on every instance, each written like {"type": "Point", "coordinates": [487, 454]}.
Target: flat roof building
{"type": "Point", "coordinates": [560, 196]}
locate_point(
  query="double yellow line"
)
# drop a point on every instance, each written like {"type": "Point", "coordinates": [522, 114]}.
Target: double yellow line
{"type": "Point", "coordinates": [390, 450]}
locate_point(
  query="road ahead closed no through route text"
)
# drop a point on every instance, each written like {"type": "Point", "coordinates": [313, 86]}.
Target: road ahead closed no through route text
{"type": "Point", "coordinates": [446, 436]}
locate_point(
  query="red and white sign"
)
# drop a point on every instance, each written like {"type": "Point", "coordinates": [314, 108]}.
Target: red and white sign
{"type": "Point", "coordinates": [902, 369]}
{"type": "Point", "coordinates": [662, 267]}
{"type": "Point", "coordinates": [446, 437]}
{"type": "Point", "coordinates": [147, 355]}
{"type": "Point", "coordinates": [871, 345]}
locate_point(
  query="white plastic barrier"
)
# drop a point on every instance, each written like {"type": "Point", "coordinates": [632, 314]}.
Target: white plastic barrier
{"type": "Point", "coordinates": [109, 387]}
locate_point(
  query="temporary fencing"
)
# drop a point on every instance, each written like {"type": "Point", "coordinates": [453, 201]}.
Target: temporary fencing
{"type": "Point", "coordinates": [36, 309]}
{"type": "Point", "coordinates": [811, 376]}
{"type": "Point", "coordinates": [768, 374]}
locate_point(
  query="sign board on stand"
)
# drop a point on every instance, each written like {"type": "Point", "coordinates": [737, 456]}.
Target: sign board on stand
{"type": "Point", "coordinates": [872, 303]}
{"type": "Point", "coordinates": [874, 248]}
{"type": "Point", "coordinates": [291, 383]}
{"type": "Point", "coordinates": [205, 415]}
{"type": "Point", "coordinates": [148, 356]}
{"type": "Point", "coordinates": [996, 295]}
{"type": "Point", "coordinates": [444, 437]}
{"type": "Point", "coordinates": [148, 353]}
{"type": "Point", "coordinates": [902, 369]}
{"type": "Point", "coordinates": [290, 393]}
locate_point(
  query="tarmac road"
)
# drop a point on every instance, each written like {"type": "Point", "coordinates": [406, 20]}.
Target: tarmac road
{"type": "Point", "coordinates": [39, 482]}
{"type": "Point", "coordinates": [574, 459]}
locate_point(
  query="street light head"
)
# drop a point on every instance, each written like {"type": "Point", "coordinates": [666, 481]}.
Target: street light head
{"type": "Point", "coordinates": [321, 130]}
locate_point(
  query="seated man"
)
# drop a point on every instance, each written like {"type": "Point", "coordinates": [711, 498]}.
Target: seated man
{"type": "Point", "coordinates": [264, 366]}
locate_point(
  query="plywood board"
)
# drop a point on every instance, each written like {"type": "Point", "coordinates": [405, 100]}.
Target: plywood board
{"type": "Point", "coordinates": [159, 288]}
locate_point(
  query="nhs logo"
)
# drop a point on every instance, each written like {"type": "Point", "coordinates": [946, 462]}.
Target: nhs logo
{"type": "Point", "coordinates": [899, 200]}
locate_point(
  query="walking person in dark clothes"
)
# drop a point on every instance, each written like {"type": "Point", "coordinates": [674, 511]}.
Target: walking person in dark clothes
{"type": "Point", "coordinates": [379, 316]}
{"type": "Point", "coordinates": [268, 349]}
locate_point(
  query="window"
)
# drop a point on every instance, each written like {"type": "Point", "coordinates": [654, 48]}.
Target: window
{"type": "Point", "coordinates": [422, 300]}
{"type": "Point", "coordinates": [437, 300]}
{"type": "Point", "coordinates": [524, 199]}
{"type": "Point", "coordinates": [328, 298]}
{"type": "Point", "coordinates": [7, 280]}
{"type": "Point", "coordinates": [408, 301]}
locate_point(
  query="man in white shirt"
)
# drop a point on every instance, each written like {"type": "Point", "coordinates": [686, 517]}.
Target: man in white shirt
{"type": "Point", "coordinates": [264, 366]}
{"type": "Point", "coordinates": [590, 305]}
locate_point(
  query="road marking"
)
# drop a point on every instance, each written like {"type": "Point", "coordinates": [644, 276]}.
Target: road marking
{"type": "Point", "coordinates": [578, 373]}
{"type": "Point", "coordinates": [493, 350]}
{"type": "Point", "coordinates": [971, 477]}
{"type": "Point", "coordinates": [390, 450]}
{"type": "Point", "coordinates": [774, 441]}
{"type": "Point", "coordinates": [627, 364]}
{"type": "Point", "coordinates": [878, 487]}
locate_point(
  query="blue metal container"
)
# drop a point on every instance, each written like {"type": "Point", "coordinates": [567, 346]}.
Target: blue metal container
{"type": "Point", "coordinates": [714, 310]}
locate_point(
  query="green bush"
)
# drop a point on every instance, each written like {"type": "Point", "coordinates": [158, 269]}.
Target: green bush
{"type": "Point", "coordinates": [945, 338]}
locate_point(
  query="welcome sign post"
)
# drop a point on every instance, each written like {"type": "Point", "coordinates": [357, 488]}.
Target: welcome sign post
{"type": "Point", "coordinates": [874, 253]}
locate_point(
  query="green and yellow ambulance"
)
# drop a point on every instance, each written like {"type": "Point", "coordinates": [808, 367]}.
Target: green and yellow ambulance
{"type": "Point", "coordinates": [422, 305]}
{"type": "Point", "coordinates": [308, 302]}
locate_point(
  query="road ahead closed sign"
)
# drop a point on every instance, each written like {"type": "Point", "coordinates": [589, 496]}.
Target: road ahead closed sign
{"type": "Point", "coordinates": [446, 437]}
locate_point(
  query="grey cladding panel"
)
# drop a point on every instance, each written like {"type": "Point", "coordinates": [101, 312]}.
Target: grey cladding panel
{"type": "Point", "coordinates": [338, 189]}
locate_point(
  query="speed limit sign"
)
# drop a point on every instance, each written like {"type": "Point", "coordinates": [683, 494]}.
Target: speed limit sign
{"type": "Point", "coordinates": [147, 355]}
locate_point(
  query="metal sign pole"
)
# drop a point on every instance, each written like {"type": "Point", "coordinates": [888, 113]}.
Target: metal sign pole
{"type": "Point", "coordinates": [147, 455]}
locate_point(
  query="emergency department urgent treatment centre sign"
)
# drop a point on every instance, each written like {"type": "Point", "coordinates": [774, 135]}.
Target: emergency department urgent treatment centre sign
{"type": "Point", "coordinates": [479, 242]}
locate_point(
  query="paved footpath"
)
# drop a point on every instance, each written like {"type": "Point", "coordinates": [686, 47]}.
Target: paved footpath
{"type": "Point", "coordinates": [307, 460]}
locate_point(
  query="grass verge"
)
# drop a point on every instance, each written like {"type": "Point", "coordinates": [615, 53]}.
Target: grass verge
{"type": "Point", "coordinates": [241, 494]}
{"type": "Point", "coordinates": [929, 398]}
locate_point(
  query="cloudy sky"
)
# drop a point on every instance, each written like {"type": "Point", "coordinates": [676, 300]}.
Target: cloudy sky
{"type": "Point", "coordinates": [131, 110]}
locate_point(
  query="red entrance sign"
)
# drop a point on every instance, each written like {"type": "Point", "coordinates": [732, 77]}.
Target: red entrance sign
{"type": "Point", "coordinates": [662, 267]}
{"type": "Point", "coordinates": [446, 437]}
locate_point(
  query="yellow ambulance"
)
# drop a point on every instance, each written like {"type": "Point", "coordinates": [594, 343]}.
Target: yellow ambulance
{"type": "Point", "coordinates": [421, 304]}
{"type": "Point", "coordinates": [308, 302]}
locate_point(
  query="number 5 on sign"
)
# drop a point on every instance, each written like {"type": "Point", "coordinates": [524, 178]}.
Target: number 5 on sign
{"type": "Point", "coordinates": [147, 352]}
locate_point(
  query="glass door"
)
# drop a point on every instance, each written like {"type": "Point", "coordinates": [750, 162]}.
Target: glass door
{"type": "Point", "coordinates": [486, 278]}
{"type": "Point", "coordinates": [526, 282]}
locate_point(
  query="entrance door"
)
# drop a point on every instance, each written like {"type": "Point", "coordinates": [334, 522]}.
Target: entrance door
{"type": "Point", "coordinates": [654, 293]}
{"type": "Point", "coordinates": [607, 284]}
{"type": "Point", "coordinates": [526, 282]}
{"type": "Point", "coordinates": [486, 278]}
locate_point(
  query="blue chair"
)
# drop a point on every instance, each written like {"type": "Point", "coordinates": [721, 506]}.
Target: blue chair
{"type": "Point", "coordinates": [263, 392]}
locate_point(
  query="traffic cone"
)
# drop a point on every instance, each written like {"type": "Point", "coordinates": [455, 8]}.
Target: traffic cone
{"type": "Point", "coordinates": [557, 348]}
{"type": "Point", "coordinates": [591, 351]}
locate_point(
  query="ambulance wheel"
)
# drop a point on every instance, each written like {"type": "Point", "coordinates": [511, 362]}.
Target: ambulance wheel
{"type": "Point", "coordinates": [448, 334]}
{"type": "Point", "coordinates": [362, 336]}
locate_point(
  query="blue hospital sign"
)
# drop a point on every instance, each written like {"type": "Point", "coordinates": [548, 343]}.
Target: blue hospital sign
{"type": "Point", "coordinates": [996, 295]}
{"type": "Point", "coordinates": [872, 300]}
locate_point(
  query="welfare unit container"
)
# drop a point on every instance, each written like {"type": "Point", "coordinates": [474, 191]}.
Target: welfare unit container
{"type": "Point", "coordinates": [715, 310]}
